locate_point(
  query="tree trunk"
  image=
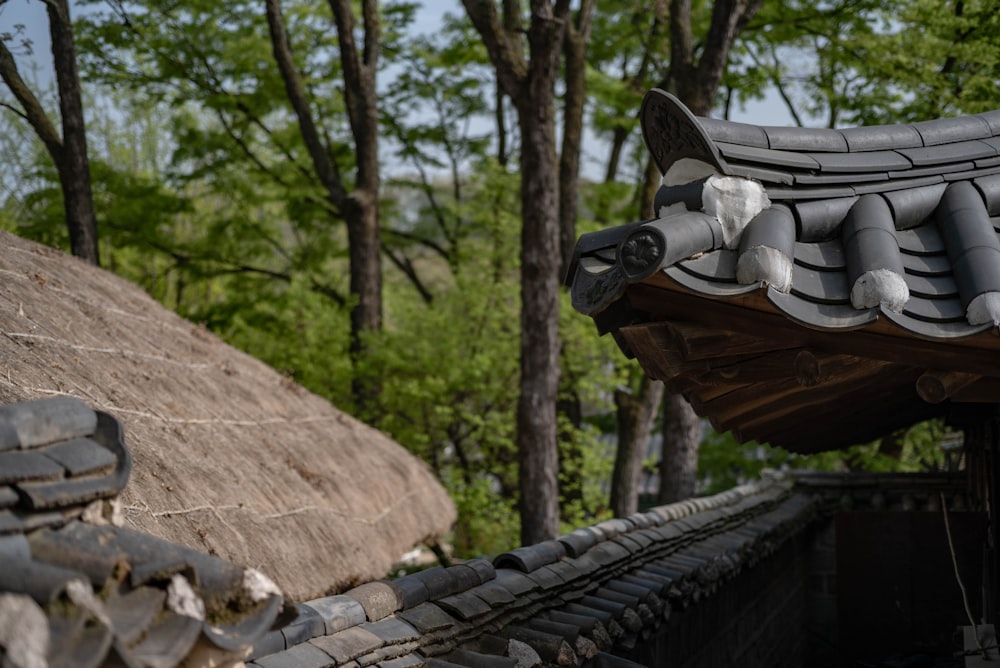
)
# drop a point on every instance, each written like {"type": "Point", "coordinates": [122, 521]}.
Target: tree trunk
{"type": "Point", "coordinates": [574, 98]}
{"type": "Point", "coordinates": [530, 84]}
{"type": "Point", "coordinates": [360, 207]}
{"type": "Point", "coordinates": [681, 437]}
{"type": "Point", "coordinates": [540, 260]}
{"type": "Point", "coordinates": [635, 415]}
{"type": "Point", "coordinates": [73, 164]}
{"type": "Point", "coordinates": [362, 210]}
{"type": "Point", "coordinates": [69, 151]}
{"type": "Point", "coordinates": [696, 83]}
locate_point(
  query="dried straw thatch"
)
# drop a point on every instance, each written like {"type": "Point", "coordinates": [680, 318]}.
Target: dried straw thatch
{"type": "Point", "coordinates": [229, 456]}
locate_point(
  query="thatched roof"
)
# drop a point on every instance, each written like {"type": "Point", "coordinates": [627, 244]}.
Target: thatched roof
{"type": "Point", "coordinates": [230, 457]}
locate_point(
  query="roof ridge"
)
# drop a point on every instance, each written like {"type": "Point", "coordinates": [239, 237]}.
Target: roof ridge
{"type": "Point", "coordinates": [584, 593]}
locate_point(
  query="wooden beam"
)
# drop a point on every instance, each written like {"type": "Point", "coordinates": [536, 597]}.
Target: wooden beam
{"type": "Point", "coordinates": [936, 386]}
{"type": "Point", "coordinates": [664, 301]}
{"type": "Point", "coordinates": [655, 347]}
{"type": "Point", "coordinates": [860, 422]}
{"type": "Point", "coordinates": [697, 342]}
{"type": "Point", "coordinates": [771, 399]}
{"type": "Point", "coordinates": [983, 391]}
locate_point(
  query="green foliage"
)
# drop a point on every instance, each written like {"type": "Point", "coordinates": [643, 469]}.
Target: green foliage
{"type": "Point", "coordinates": [723, 463]}
{"type": "Point", "coordinates": [862, 62]}
{"type": "Point", "coordinates": [488, 522]}
{"type": "Point", "coordinates": [206, 198]}
{"type": "Point", "coordinates": [587, 457]}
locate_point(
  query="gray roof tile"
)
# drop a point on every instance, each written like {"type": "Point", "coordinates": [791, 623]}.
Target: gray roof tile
{"type": "Point", "coordinates": [81, 456]}
{"type": "Point", "coordinates": [44, 421]}
{"type": "Point", "coordinates": [427, 618]}
{"type": "Point", "coordinates": [83, 647]}
{"type": "Point", "coordinates": [931, 287]}
{"type": "Point", "coordinates": [833, 178]}
{"type": "Point", "coordinates": [338, 612]}
{"type": "Point", "coordinates": [992, 119]}
{"type": "Point", "coordinates": [270, 643]}
{"type": "Point", "coordinates": [550, 647]}
{"type": "Point", "coordinates": [437, 580]}
{"type": "Point", "coordinates": [529, 558]}
{"type": "Point", "coordinates": [48, 551]}
{"type": "Point", "coordinates": [9, 439]}
{"type": "Point", "coordinates": [516, 582]}
{"type": "Point", "coordinates": [951, 130]}
{"type": "Point", "coordinates": [948, 153]}
{"type": "Point", "coordinates": [608, 553]}
{"type": "Point", "coordinates": [15, 546]}
{"type": "Point", "coordinates": [764, 156]}
{"type": "Point", "coordinates": [751, 171]}
{"type": "Point", "coordinates": [571, 570]}
{"type": "Point", "coordinates": [408, 661]}
{"type": "Point", "coordinates": [822, 287]}
{"type": "Point", "coordinates": [936, 310]}
{"type": "Point", "coordinates": [24, 465]}
{"type": "Point", "coordinates": [464, 657]}
{"type": "Point", "coordinates": [493, 594]}
{"type": "Point", "coordinates": [578, 542]}
{"type": "Point", "coordinates": [393, 631]}
{"type": "Point", "coordinates": [379, 599]}
{"type": "Point", "coordinates": [412, 591]}
{"type": "Point", "coordinates": [300, 656]}
{"type": "Point", "coordinates": [483, 567]}
{"type": "Point", "coordinates": [926, 265]}
{"type": "Point", "coordinates": [597, 602]}
{"type": "Point", "coordinates": [659, 585]}
{"type": "Point", "coordinates": [735, 133]}
{"type": "Point", "coordinates": [466, 577]}
{"type": "Point", "coordinates": [435, 662]}
{"type": "Point", "coordinates": [347, 644]}
{"type": "Point", "coordinates": [566, 611]}
{"type": "Point", "coordinates": [307, 624]}
{"type": "Point", "coordinates": [8, 497]}
{"type": "Point", "coordinates": [805, 139]}
{"type": "Point", "coordinates": [168, 641]}
{"type": "Point", "coordinates": [881, 138]}
{"type": "Point", "coordinates": [464, 606]}
{"type": "Point", "coordinates": [547, 577]}
{"type": "Point", "coordinates": [859, 163]}
{"type": "Point", "coordinates": [989, 187]}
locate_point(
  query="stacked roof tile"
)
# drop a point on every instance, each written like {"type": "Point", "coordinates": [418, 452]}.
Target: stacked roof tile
{"type": "Point", "coordinates": [895, 221]}
{"type": "Point", "coordinates": [582, 599]}
{"type": "Point", "coordinates": [78, 589]}
{"type": "Point", "coordinates": [809, 288]}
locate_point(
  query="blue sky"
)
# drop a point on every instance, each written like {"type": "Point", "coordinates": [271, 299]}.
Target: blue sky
{"type": "Point", "coordinates": [31, 14]}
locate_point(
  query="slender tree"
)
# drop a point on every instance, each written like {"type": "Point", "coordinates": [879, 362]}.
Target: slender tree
{"type": "Point", "coordinates": [694, 75]}
{"type": "Point", "coordinates": [358, 206]}
{"type": "Point", "coordinates": [527, 66]}
{"type": "Point", "coordinates": [68, 149]}
{"type": "Point", "coordinates": [575, 68]}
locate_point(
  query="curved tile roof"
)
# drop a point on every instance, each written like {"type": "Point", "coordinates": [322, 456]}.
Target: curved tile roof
{"type": "Point", "coordinates": [921, 201]}
{"type": "Point", "coordinates": [590, 597]}
{"type": "Point", "coordinates": [77, 588]}
{"type": "Point", "coordinates": [577, 600]}
{"type": "Point", "coordinates": [891, 231]}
